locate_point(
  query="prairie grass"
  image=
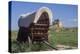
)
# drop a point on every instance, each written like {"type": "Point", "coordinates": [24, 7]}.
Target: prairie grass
{"type": "Point", "coordinates": [65, 37]}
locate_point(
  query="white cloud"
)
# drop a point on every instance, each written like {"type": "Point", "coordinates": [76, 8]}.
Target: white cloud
{"type": "Point", "coordinates": [75, 20]}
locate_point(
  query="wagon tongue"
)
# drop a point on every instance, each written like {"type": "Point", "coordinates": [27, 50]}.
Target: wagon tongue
{"type": "Point", "coordinates": [49, 45]}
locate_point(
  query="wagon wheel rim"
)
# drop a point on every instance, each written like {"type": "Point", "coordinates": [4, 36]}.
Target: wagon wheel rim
{"type": "Point", "coordinates": [29, 42]}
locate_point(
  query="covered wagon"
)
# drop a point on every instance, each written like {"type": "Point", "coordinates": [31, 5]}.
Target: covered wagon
{"type": "Point", "coordinates": [35, 25]}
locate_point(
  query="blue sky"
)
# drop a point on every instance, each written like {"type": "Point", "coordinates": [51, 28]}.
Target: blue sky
{"type": "Point", "coordinates": [68, 14]}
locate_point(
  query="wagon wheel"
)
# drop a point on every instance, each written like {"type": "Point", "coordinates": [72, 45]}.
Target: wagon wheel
{"type": "Point", "coordinates": [29, 42]}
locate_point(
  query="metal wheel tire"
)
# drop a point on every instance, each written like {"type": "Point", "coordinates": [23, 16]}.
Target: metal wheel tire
{"type": "Point", "coordinates": [30, 42]}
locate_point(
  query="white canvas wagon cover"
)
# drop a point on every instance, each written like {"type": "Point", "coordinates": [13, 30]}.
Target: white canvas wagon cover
{"type": "Point", "coordinates": [26, 19]}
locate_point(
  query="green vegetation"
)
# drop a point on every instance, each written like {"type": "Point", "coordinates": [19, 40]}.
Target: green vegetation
{"type": "Point", "coordinates": [67, 36]}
